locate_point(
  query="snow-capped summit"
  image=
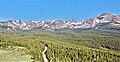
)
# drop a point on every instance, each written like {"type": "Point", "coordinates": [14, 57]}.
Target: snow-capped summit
{"type": "Point", "coordinates": [113, 19]}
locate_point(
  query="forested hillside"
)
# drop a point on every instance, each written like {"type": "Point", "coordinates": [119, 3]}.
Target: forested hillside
{"type": "Point", "coordinates": [65, 45]}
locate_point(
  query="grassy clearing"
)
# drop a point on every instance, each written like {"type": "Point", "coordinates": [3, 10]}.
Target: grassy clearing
{"type": "Point", "coordinates": [8, 55]}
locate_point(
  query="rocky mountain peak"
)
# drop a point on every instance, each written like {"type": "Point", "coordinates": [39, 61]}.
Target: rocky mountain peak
{"type": "Point", "coordinates": [106, 18]}
{"type": "Point", "coordinates": [57, 21]}
{"type": "Point", "coordinates": [21, 21]}
{"type": "Point", "coordinates": [71, 21]}
{"type": "Point", "coordinates": [106, 13]}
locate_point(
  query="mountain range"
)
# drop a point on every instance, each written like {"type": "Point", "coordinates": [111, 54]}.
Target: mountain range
{"type": "Point", "coordinates": [96, 22]}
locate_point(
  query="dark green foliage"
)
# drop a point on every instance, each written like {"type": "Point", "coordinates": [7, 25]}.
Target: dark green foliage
{"type": "Point", "coordinates": [74, 45]}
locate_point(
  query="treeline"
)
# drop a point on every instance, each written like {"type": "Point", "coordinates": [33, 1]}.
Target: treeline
{"type": "Point", "coordinates": [57, 53]}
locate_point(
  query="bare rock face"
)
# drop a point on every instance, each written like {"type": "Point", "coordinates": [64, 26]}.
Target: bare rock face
{"type": "Point", "coordinates": [117, 19]}
{"type": "Point", "coordinates": [103, 18]}
{"type": "Point", "coordinates": [71, 21]}
{"type": "Point", "coordinates": [106, 17]}
{"type": "Point", "coordinates": [74, 24]}
{"type": "Point", "coordinates": [113, 19]}
{"type": "Point", "coordinates": [57, 24]}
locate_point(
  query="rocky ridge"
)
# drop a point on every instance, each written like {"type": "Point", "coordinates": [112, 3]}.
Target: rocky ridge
{"type": "Point", "coordinates": [109, 18]}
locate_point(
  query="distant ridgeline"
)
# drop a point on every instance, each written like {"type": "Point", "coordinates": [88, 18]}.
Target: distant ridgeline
{"type": "Point", "coordinates": [95, 23]}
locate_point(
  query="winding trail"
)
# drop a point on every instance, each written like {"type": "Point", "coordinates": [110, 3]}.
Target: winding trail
{"type": "Point", "coordinates": [44, 55]}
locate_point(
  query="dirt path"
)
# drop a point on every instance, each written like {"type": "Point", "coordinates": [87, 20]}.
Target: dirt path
{"type": "Point", "coordinates": [44, 55]}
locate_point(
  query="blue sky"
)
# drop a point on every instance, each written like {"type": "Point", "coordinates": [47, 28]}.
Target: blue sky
{"type": "Point", "coordinates": [56, 9]}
